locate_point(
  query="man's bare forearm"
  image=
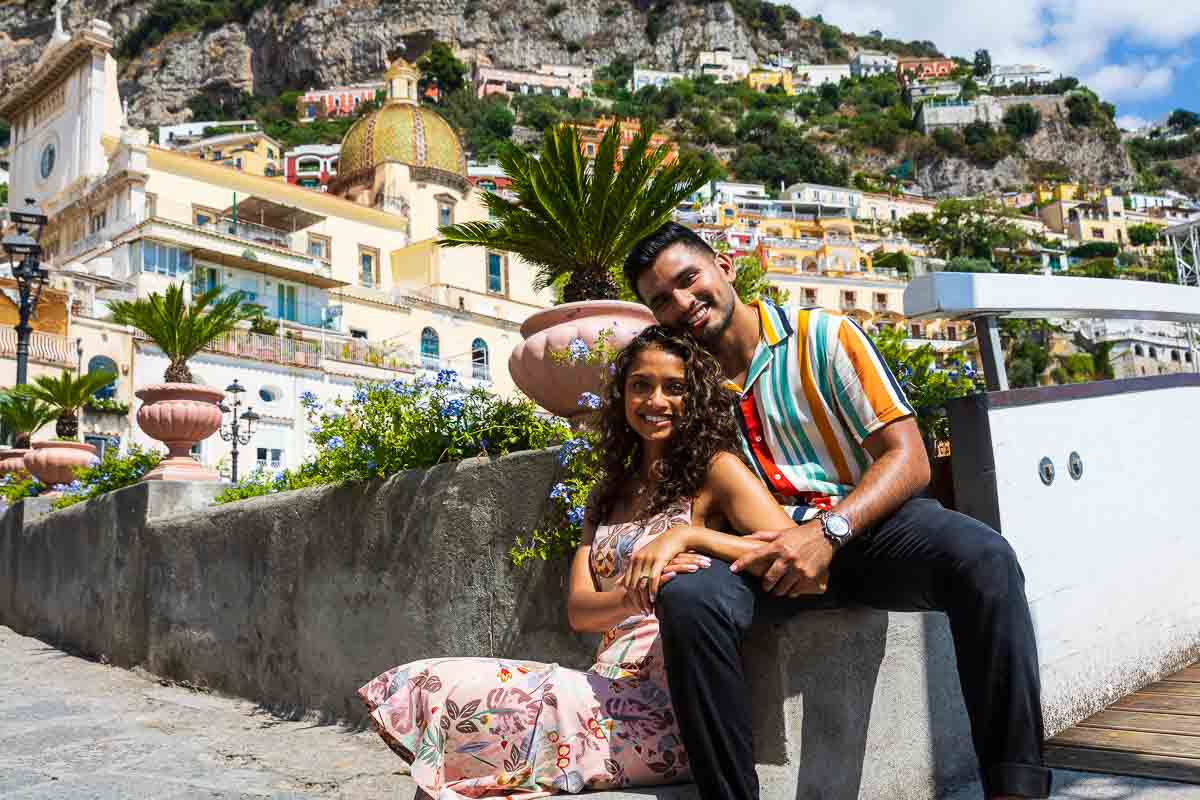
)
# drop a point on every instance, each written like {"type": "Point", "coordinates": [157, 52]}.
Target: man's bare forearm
{"type": "Point", "coordinates": [888, 483]}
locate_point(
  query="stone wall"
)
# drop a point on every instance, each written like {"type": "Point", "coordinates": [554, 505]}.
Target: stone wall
{"type": "Point", "coordinates": [295, 600]}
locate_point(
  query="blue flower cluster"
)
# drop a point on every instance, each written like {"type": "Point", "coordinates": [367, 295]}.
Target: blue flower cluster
{"type": "Point", "coordinates": [309, 400]}
{"type": "Point", "coordinates": [570, 449]}
{"type": "Point", "coordinates": [589, 400]}
{"type": "Point", "coordinates": [447, 377]}
{"type": "Point", "coordinates": [335, 443]}
{"type": "Point", "coordinates": [360, 394]}
{"type": "Point", "coordinates": [575, 515]}
{"type": "Point", "coordinates": [578, 350]}
{"type": "Point", "coordinates": [453, 408]}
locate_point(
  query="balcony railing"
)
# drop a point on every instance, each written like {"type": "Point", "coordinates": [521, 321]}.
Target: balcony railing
{"type": "Point", "coordinates": [48, 348]}
{"type": "Point", "coordinates": [252, 231]}
{"type": "Point", "coordinates": [301, 352]}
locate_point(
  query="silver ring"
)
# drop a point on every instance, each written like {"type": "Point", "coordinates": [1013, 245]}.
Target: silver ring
{"type": "Point", "coordinates": [643, 579]}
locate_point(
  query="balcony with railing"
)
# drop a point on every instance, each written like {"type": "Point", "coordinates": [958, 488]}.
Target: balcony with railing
{"type": "Point", "coordinates": [303, 352]}
{"type": "Point", "coordinates": [45, 348]}
{"type": "Point", "coordinates": [239, 241]}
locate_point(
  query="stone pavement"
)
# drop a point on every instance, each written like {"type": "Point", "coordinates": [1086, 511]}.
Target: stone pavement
{"type": "Point", "coordinates": [72, 728]}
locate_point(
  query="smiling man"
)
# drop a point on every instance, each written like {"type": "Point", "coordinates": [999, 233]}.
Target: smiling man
{"type": "Point", "coordinates": [827, 427]}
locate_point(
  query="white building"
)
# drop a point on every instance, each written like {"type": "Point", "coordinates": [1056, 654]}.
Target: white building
{"type": "Point", "coordinates": [827, 195]}
{"type": "Point", "coordinates": [813, 76]}
{"type": "Point", "coordinates": [578, 75]}
{"type": "Point", "coordinates": [654, 77]}
{"type": "Point", "coordinates": [869, 63]}
{"type": "Point", "coordinates": [722, 65]}
{"type": "Point", "coordinates": [1017, 74]}
{"type": "Point", "coordinates": [188, 132]}
{"type": "Point", "coordinates": [956, 114]}
{"type": "Point", "coordinates": [927, 90]}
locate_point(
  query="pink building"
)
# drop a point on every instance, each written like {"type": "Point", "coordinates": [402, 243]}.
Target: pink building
{"type": "Point", "coordinates": [338, 101]}
{"type": "Point", "coordinates": [492, 80]}
{"type": "Point", "coordinates": [311, 165]}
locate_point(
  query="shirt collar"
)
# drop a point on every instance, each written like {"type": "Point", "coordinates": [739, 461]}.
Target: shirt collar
{"type": "Point", "coordinates": [775, 329]}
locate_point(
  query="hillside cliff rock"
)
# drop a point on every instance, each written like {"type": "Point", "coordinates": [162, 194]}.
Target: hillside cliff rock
{"type": "Point", "coordinates": [334, 42]}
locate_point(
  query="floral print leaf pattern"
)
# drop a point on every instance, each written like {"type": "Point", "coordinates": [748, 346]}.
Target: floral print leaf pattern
{"type": "Point", "coordinates": [495, 728]}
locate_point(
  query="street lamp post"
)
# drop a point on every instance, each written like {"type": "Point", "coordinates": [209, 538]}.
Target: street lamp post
{"type": "Point", "coordinates": [23, 253]}
{"type": "Point", "coordinates": [231, 432]}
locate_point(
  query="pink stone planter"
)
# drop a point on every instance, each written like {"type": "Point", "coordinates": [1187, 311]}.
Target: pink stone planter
{"type": "Point", "coordinates": [56, 462]}
{"type": "Point", "coordinates": [12, 461]}
{"type": "Point", "coordinates": [557, 387]}
{"type": "Point", "coordinates": [179, 415]}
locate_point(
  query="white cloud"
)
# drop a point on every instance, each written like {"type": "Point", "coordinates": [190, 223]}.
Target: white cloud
{"type": "Point", "coordinates": [1131, 122]}
{"type": "Point", "coordinates": [1074, 37]}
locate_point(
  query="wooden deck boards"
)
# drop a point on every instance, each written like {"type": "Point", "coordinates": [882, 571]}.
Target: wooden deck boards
{"type": "Point", "coordinates": [1153, 733]}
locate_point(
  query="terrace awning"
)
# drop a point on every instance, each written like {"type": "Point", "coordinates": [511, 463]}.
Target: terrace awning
{"type": "Point", "coordinates": [272, 214]}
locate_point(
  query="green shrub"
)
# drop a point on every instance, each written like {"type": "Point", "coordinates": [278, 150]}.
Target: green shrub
{"type": "Point", "coordinates": [114, 471]}
{"type": "Point", "coordinates": [1022, 121]}
{"type": "Point", "coordinates": [390, 427]}
{"type": "Point", "coordinates": [926, 386]}
{"type": "Point", "coordinates": [1095, 250]}
{"type": "Point", "coordinates": [14, 489]}
{"type": "Point", "coordinates": [107, 405]}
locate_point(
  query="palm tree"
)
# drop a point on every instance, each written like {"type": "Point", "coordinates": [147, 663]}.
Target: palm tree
{"type": "Point", "coordinates": [23, 416]}
{"type": "Point", "coordinates": [65, 395]}
{"type": "Point", "coordinates": [182, 329]}
{"type": "Point", "coordinates": [579, 218]}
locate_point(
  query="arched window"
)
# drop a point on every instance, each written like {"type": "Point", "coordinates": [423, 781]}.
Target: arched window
{"type": "Point", "coordinates": [1138, 351]}
{"type": "Point", "coordinates": [1174, 355]}
{"type": "Point", "coordinates": [429, 349]}
{"type": "Point", "coordinates": [1153, 353]}
{"type": "Point", "coordinates": [104, 364]}
{"type": "Point", "coordinates": [479, 360]}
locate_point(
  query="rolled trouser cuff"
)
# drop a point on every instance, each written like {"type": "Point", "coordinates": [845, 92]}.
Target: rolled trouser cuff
{"type": "Point", "coordinates": [1022, 780]}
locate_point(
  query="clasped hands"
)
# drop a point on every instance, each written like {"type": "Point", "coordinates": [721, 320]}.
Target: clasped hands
{"type": "Point", "coordinates": [792, 562]}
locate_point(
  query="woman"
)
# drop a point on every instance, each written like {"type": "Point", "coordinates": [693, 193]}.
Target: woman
{"type": "Point", "coordinates": [482, 727]}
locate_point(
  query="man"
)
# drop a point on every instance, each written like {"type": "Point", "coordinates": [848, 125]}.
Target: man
{"type": "Point", "coordinates": [829, 430]}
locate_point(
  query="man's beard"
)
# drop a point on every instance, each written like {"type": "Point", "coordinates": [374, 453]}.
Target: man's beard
{"type": "Point", "coordinates": [711, 335]}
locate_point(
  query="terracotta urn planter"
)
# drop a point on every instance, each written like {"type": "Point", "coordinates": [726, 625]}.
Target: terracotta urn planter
{"type": "Point", "coordinates": [55, 462]}
{"type": "Point", "coordinates": [12, 461]}
{"type": "Point", "coordinates": [556, 386]}
{"type": "Point", "coordinates": [179, 415]}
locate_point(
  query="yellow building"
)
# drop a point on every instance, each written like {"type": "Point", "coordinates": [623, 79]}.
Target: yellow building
{"type": "Point", "coordinates": [1067, 192]}
{"type": "Point", "coordinates": [1100, 221]}
{"type": "Point", "coordinates": [253, 152]}
{"type": "Point", "coordinates": [760, 80]}
{"type": "Point", "coordinates": [351, 277]}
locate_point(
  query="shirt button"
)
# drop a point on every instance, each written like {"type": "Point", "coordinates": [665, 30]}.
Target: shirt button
{"type": "Point", "coordinates": [778, 476]}
{"type": "Point", "coordinates": [758, 438]}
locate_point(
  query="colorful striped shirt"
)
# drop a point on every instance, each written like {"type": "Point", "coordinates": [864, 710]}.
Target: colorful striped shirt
{"type": "Point", "coordinates": [815, 390]}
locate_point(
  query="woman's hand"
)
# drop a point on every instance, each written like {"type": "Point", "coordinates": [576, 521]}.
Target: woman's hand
{"type": "Point", "coordinates": [683, 564]}
{"type": "Point", "coordinates": [644, 574]}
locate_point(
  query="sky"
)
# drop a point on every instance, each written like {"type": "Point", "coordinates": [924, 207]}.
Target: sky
{"type": "Point", "coordinates": [1142, 55]}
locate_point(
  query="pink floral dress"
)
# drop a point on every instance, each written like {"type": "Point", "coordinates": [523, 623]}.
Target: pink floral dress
{"type": "Point", "coordinates": [485, 727]}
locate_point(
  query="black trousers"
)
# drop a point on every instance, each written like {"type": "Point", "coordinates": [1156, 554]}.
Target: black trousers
{"type": "Point", "coordinates": [924, 558]}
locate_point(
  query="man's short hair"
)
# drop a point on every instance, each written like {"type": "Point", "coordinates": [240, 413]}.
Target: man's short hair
{"type": "Point", "coordinates": [647, 250]}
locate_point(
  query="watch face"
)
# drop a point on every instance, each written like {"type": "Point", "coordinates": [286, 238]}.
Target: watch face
{"type": "Point", "coordinates": [48, 155]}
{"type": "Point", "coordinates": [837, 525]}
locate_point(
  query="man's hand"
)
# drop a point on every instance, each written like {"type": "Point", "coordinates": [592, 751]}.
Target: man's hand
{"type": "Point", "coordinates": [793, 562]}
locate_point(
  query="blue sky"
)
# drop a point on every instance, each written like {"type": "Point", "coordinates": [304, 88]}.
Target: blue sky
{"type": "Point", "coordinates": [1142, 55]}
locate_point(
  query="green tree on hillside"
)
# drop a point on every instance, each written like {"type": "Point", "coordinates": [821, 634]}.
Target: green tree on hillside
{"type": "Point", "coordinates": [1022, 121]}
{"type": "Point", "coordinates": [441, 70]}
{"type": "Point", "coordinates": [1143, 235]}
{"type": "Point", "coordinates": [983, 63]}
{"type": "Point", "coordinates": [972, 228]}
{"type": "Point", "coordinates": [1183, 120]}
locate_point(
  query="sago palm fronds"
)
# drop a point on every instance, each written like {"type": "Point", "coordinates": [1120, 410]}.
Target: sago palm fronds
{"type": "Point", "coordinates": [581, 218]}
{"type": "Point", "coordinates": [66, 395]}
{"type": "Point", "coordinates": [182, 329]}
{"type": "Point", "coordinates": [23, 416]}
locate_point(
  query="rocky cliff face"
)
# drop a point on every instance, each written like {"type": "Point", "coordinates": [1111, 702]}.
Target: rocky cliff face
{"type": "Point", "coordinates": [335, 42]}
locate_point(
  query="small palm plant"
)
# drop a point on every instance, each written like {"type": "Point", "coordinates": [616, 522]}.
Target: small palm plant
{"type": "Point", "coordinates": [24, 416]}
{"type": "Point", "coordinates": [578, 218]}
{"type": "Point", "coordinates": [65, 395]}
{"type": "Point", "coordinates": [181, 329]}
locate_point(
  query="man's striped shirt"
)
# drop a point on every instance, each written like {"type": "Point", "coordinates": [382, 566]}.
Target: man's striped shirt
{"type": "Point", "coordinates": [816, 388]}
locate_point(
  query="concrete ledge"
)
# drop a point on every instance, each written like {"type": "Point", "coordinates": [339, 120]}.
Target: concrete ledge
{"type": "Point", "coordinates": [295, 600]}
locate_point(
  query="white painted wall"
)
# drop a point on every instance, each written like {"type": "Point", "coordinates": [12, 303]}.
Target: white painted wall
{"type": "Point", "coordinates": [1112, 560]}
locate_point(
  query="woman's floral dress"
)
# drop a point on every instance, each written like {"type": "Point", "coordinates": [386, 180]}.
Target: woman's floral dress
{"type": "Point", "coordinates": [484, 727]}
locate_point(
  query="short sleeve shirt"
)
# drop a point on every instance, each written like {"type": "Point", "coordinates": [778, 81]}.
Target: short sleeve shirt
{"type": "Point", "coordinates": [816, 389]}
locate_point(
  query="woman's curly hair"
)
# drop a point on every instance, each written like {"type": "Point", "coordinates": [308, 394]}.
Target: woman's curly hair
{"type": "Point", "coordinates": [705, 428]}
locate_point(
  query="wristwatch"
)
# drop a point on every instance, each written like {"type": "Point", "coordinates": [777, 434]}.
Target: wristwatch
{"type": "Point", "coordinates": [836, 527]}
